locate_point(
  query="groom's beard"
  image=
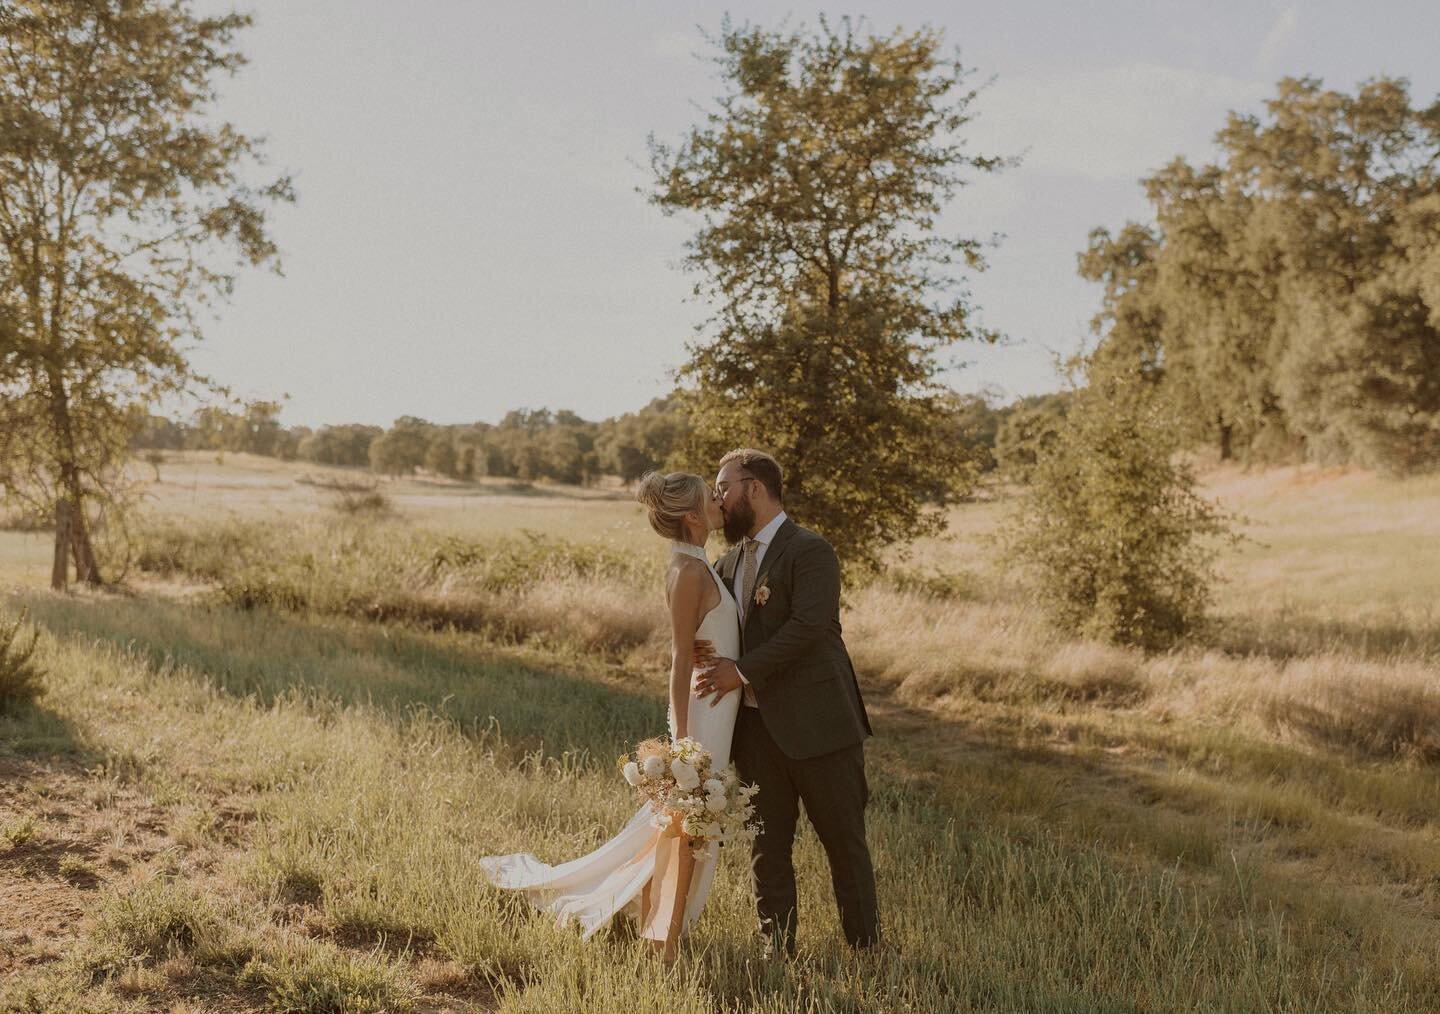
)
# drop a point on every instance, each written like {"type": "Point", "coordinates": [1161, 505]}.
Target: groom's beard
{"type": "Point", "coordinates": [738, 521]}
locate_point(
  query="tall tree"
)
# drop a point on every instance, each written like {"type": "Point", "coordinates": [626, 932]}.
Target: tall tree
{"type": "Point", "coordinates": [441, 457]}
{"type": "Point", "coordinates": [1281, 295]}
{"type": "Point", "coordinates": [1357, 359]}
{"type": "Point", "coordinates": [402, 448]}
{"type": "Point", "coordinates": [1217, 281]}
{"type": "Point", "coordinates": [347, 444]}
{"type": "Point", "coordinates": [818, 180]}
{"type": "Point", "coordinates": [123, 213]}
{"type": "Point", "coordinates": [1131, 317]}
{"type": "Point", "coordinates": [636, 442]}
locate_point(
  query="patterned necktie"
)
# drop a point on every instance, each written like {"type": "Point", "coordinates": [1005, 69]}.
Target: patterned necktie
{"type": "Point", "coordinates": [749, 549]}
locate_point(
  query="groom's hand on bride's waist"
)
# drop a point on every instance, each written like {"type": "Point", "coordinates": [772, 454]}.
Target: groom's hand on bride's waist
{"type": "Point", "coordinates": [703, 655]}
{"type": "Point", "coordinates": [719, 680]}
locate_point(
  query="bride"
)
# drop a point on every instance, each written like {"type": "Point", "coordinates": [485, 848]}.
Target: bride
{"type": "Point", "coordinates": [651, 875]}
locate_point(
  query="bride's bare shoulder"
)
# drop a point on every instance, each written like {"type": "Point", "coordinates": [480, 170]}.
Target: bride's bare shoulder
{"type": "Point", "coordinates": [689, 587]}
{"type": "Point", "coordinates": [685, 571]}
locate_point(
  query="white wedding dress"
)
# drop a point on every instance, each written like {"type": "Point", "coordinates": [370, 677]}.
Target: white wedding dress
{"type": "Point", "coordinates": [592, 889]}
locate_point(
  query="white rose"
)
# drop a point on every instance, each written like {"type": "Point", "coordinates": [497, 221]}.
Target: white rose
{"type": "Point", "coordinates": [632, 773]}
{"type": "Point", "coordinates": [654, 767]}
{"type": "Point", "coordinates": [715, 786]}
{"type": "Point", "coordinates": [714, 803]}
{"type": "Point", "coordinates": [685, 775]}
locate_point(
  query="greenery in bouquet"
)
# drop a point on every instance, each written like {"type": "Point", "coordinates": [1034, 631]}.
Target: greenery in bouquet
{"type": "Point", "coordinates": [688, 795]}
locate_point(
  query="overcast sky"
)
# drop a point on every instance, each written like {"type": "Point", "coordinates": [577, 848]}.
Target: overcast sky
{"type": "Point", "coordinates": [468, 238]}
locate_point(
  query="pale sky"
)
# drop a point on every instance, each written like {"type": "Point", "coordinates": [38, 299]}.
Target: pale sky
{"type": "Point", "coordinates": [468, 238]}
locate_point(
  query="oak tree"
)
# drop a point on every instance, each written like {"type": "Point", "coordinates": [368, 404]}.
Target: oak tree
{"type": "Point", "coordinates": [124, 212]}
{"type": "Point", "coordinates": [818, 180]}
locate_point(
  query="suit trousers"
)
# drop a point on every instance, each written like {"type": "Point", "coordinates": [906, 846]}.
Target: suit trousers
{"type": "Point", "coordinates": [834, 791]}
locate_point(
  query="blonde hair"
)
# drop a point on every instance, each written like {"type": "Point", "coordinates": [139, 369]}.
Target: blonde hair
{"type": "Point", "coordinates": [669, 498]}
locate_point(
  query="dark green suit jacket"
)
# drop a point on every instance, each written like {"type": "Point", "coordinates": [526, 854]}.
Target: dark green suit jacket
{"type": "Point", "coordinates": [791, 649]}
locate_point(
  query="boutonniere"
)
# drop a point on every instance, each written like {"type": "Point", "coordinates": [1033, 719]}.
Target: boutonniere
{"type": "Point", "coordinates": [762, 594]}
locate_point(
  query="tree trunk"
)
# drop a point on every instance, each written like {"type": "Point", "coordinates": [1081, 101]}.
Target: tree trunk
{"type": "Point", "coordinates": [60, 570]}
{"type": "Point", "coordinates": [86, 569]}
{"type": "Point", "coordinates": [1227, 451]}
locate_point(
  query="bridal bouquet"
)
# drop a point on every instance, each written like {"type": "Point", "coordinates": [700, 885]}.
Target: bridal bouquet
{"type": "Point", "coordinates": [679, 782]}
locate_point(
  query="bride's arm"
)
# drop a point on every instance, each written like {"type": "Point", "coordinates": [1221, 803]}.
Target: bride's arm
{"type": "Point", "coordinates": [685, 592]}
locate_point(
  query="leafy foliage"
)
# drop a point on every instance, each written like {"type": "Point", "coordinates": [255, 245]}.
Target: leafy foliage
{"type": "Point", "coordinates": [638, 442]}
{"type": "Point", "coordinates": [527, 444]}
{"type": "Point", "coordinates": [402, 448]}
{"type": "Point", "coordinates": [1027, 430]}
{"type": "Point", "coordinates": [1285, 300]}
{"type": "Point", "coordinates": [1121, 545]}
{"type": "Point", "coordinates": [253, 428]}
{"type": "Point", "coordinates": [22, 680]}
{"type": "Point", "coordinates": [347, 444]}
{"type": "Point", "coordinates": [122, 210]}
{"type": "Point", "coordinates": [818, 180]}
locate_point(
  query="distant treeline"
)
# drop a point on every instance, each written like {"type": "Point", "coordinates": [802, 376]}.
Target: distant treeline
{"type": "Point", "coordinates": [559, 446]}
{"type": "Point", "coordinates": [1287, 297]}
{"type": "Point", "coordinates": [526, 444]}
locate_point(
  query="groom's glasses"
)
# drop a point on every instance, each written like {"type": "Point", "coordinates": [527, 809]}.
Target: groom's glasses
{"type": "Point", "coordinates": [721, 489]}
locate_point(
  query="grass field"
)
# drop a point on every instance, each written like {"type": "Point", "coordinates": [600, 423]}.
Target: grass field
{"type": "Point", "coordinates": [262, 773]}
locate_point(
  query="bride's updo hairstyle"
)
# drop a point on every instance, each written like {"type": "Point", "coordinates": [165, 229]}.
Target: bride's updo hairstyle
{"type": "Point", "coordinates": [669, 498]}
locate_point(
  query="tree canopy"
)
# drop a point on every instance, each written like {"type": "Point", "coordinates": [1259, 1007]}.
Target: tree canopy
{"type": "Point", "coordinates": [1287, 297]}
{"type": "Point", "coordinates": [817, 181]}
{"type": "Point", "coordinates": [124, 211]}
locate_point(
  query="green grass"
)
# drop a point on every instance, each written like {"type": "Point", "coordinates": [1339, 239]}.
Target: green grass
{"type": "Point", "coordinates": [1009, 880]}
{"type": "Point", "coordinates": [1056, 826]}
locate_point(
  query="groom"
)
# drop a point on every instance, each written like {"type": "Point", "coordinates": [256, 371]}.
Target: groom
{"type": "Point", "coordinates": [802, 725]}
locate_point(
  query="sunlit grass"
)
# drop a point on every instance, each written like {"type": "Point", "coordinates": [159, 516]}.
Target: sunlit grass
{"type": "Point", "coordinates": [1249, 822]}
{"type": "Point", "coordinates": [1006, 884]}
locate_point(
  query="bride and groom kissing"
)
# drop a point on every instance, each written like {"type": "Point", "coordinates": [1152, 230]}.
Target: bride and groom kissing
{"type": "Point", "coordinates": [759, 675]}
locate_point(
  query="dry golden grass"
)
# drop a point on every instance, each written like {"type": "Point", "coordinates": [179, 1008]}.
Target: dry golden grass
{"type": "Point", "coordinates": [1250, 822]}
{"type": "Point", "coordinates": [1006, 653]}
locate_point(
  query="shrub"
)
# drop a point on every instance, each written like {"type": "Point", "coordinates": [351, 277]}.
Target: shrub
{"type": "Point", "coordinates": [18, 833]}
{"type": "Point", "coordinates": [1121, 544]}
{"type": "Point", "coordinates": [77, 870]}
{"type": "Point", "coordinates": [26, 519]}
{"type": "Point", "coordinates": [204, 551]}
{"type": "Point", "coordinates": [21, 678]}
{"type": "Point", "coordinates": [370, 503]}
{"type": "Point", "coordinates": [338, 483]}
{"type": "Point", "coordinates": [944, 586]}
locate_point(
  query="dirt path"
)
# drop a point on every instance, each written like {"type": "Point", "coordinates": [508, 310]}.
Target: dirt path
{"type": "Point", "coordinates": [68, 833]}
{"type": "Point", "coordinates": [65, 834]}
